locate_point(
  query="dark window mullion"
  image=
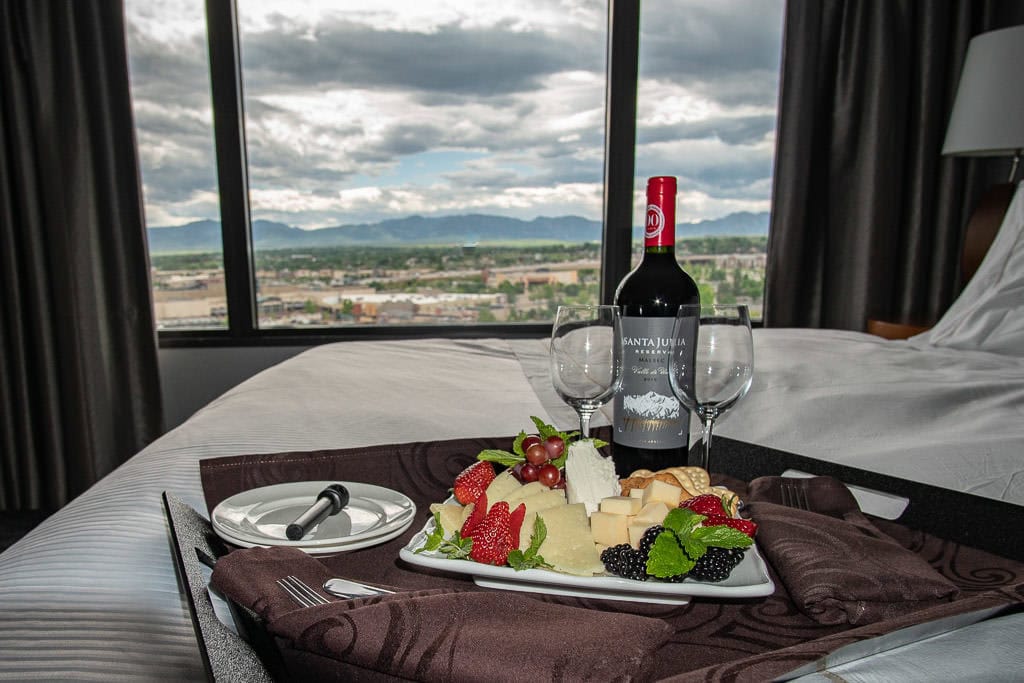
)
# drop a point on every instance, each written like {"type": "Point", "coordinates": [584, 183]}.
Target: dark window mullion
{"type": "Point", "coordinates": [232, 168]}
{"type": "Point", "coordinates": [620, 142]}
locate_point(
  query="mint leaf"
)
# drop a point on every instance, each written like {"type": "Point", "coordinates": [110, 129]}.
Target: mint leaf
{"type": "Point", "coordinates": [666, 558]}
{"type": "Point", "coordinates": [682, 520]}
{"type": "Point", "coordinates": [501, 457]}
{"type": "Point", "coordinates": [517, 445]}
{"type": "Point", "coordinates": [529, 559]}
{"type": "Point", "coordinates": [544, 430]}
{"type": "Point", "coordinates": [722, 536]}
{"type": "Point", "coordinates": [435, 537]}
{"type": "Point", "coordinates": [455, 547]}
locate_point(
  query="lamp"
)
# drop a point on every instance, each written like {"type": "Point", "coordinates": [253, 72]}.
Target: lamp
{"type": "Point", "coordinates": [988, 120]}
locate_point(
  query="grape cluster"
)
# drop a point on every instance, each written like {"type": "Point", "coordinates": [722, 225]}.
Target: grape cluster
{"type": "Point", "coordinates": [716, 564]}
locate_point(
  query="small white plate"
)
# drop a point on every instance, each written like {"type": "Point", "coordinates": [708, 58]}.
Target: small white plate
{"type": "Point", "coordinates": [260, 516]}
{"type": "Point", "coordinates": [328, 549]}
{"type": "Point", "coordinates": [748, 580]}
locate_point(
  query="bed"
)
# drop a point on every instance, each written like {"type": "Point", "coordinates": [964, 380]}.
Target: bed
{"type": "Point", "coordinates": [92, 594]}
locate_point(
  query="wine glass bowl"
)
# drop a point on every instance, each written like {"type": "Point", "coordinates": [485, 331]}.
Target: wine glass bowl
{"type": "Point", "coordinates": [711, 366]}
{"type": "Point", "coordinates": [586, 358]}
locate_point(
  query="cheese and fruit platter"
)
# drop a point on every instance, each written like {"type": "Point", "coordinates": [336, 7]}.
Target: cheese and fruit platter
{"type": "Point", "coordinates": [551, 516]}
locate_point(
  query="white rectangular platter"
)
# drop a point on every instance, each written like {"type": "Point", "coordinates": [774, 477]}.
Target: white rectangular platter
{"type": "Point", "coordinates": [749, 579]}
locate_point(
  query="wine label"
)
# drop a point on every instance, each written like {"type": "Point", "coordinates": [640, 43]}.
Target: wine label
{"type": "Point", "coordinates": [647, 414]}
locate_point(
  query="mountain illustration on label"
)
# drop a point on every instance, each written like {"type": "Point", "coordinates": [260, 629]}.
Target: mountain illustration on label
{"type": "Point", "coordinates": [652, 405]}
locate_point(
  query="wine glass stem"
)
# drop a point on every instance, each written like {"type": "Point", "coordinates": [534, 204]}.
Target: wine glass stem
{"type": "Point", "coordinates": [705, 455]}
{"type": "Point", "coordinates": [584, 422]}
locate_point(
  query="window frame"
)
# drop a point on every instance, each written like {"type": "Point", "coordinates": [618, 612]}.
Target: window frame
{"type": "Point", "coordinates": [226, 87]}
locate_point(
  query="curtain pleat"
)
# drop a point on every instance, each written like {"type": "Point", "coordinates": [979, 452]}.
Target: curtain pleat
{"type": "Point", "coordinates": [867, 216]}
{"type": "Point", "coordinates": [79, 381]}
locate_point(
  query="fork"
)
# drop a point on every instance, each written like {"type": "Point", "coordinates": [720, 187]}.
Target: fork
{"type": "Point", "coordinates": [300, 592]}
{"type": "Point", "coordinates": [794, 496]}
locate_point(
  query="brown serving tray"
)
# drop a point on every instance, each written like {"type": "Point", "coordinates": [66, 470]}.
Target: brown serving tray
{"type": "Point", "coordinates": [253, 655]}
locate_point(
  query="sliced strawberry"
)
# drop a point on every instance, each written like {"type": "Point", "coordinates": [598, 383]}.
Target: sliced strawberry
{"type": "Point", "coordinates": [516, 523]}
{"type": "Point", "coordinates": [492, 537]}
{"type": "Point", "coordinates": [476, 516]}
{"type": "Point", "coordinates": [473, 481]}
{"type": "Point", "coordinates": [707, 504]}
{"type": "Point", "coordinates": [747, 526]}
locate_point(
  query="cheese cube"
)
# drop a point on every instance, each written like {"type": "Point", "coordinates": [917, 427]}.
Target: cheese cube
{"type": "Point", "coordinates": [660, 491]}
{"type": "Point", "coordinates": [652, 513]}
{"type": "Point", "coordinates": [636, 532]}
{"type": "Point", "coordinates": [620, 505]}
{"type": "Point", "coordinates": [609, 528]}
{"type": "Point", "coordinates": [636, 493]}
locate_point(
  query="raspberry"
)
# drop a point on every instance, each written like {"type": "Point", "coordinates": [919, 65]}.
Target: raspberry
{"type": "Point", "coordinates": [716, 564]}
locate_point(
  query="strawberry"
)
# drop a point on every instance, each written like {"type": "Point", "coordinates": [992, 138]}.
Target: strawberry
{"type": "Point", "coordinates": [473, 481]}
{"type": "Point", "coordinates": [747, 526]}
{"type": "Point", "coordinates": [492, 537]}
{"type": "Point", "coordinates": [476, 516]}
{"type": "Point", "coordinates": [517, 517]}
{"type": "Point", "coordinates": [707, 504]}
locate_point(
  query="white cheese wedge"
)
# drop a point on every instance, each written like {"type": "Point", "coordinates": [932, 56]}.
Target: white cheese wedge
{"type": "Point", "coordinates": [621, 505]}
{"type": "Point", "coordinates": [569, 546]}
{"type": "Point", "coordinates": [589, 476]}
{"type": "Point", "coordinates": [451, 516]}
{"type": "Point", "coordinates": [609, 528]}
{"type": "Point", "coordinates": [503, 485]}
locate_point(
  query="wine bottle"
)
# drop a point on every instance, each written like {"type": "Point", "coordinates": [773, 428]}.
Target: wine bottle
{"type": "Point", "coordinates": [651, 427]}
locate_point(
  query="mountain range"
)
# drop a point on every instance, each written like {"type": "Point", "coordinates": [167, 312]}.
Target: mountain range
{"type": "Point", "coordinates": [204, 236]}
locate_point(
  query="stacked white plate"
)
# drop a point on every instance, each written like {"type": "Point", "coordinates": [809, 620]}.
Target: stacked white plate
{"type": "Point", "coordinates": [258, 517]}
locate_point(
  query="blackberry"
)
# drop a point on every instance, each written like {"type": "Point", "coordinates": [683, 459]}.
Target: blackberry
{"type": "Point", "coordinates": [716, 564]}
{"type": "Point", "coordinates": [622, 560]}
{"type": "Point", "coordinates": [648, 539]}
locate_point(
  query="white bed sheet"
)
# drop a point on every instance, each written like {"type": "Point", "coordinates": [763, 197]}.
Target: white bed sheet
{"type": "Point", "coordinates": [938, 415]}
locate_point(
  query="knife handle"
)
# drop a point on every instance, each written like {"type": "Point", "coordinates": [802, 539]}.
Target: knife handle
{"type": "Point", "coordinates": [329, 502]}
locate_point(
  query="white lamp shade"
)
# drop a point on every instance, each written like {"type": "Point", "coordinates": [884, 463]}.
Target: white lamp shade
{"type": "Point", "coordinates": [988, 113]}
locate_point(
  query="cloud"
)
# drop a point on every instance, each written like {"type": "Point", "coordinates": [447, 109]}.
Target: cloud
{"type": "Point", "coordinates": [410, 107]}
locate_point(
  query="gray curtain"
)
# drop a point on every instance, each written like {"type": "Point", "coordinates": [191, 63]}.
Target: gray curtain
{"type": "Point", "coordinates": [867, 216]}
{"type": "Point", "coordinates": [79, 383]}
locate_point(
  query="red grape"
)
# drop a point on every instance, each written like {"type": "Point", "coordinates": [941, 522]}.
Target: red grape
{"type": "Point", "coordinates": [554, 445]}
{"type": "Point", "coordinates": [549, 475]}
{"type": "Point", "coordinates": [537, 454]}
{"type": "Point", "coordinates": [528, 473]}
{"type": "Point", "coordinates": [529, 441]}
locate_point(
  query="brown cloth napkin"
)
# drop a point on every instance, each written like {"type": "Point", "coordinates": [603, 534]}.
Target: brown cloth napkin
{"type": "Point", "coordinates": [443, 634]}
{"type": "Point", "coordinates": [837, 567]}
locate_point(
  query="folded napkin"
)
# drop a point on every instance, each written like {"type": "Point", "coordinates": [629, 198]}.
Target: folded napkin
{"type": "Point", "coordinates": [443, 634]}
{"type": "Point", "coordinates": [838, 567]}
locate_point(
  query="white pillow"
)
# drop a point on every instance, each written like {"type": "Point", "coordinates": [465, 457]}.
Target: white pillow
{"type": "Point", "coordinates": [989, 314]}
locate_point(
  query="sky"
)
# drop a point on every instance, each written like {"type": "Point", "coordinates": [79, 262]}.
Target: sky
{"type": "Point", "coordinates": [359, 111]}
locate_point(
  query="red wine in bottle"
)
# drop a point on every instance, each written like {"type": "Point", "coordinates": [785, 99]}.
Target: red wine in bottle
{"type": "Point", "coordinates": [651, 427]}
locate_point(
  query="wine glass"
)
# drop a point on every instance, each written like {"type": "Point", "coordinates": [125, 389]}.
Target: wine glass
{"type": "Point", "coordinates": [586, 358]}
{"type": "Point", "coordinates": [712, 362]}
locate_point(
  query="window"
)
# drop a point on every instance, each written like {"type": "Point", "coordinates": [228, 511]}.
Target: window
{"type": "Point", "coordinates": [438, 166]}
